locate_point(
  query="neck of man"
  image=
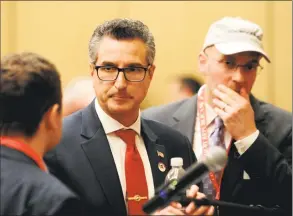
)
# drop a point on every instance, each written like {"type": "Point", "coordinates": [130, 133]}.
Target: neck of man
{"type": "Point", "coordinates": [36, 143]}
{"type": "Point", "coordinates": [126, 119]}
{"type": "Point", "coordinates": [209, 96]}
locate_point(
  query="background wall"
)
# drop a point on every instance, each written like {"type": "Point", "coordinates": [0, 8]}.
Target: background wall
{"type": "Point", "coordinates": [61, 30]}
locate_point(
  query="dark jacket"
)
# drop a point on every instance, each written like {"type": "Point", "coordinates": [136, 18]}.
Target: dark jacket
{"type": "Point", "coordinates": [268, 161]}
{"type": "Point", "coordinates": [27, 190]}
{"type": "Point", "coordinates": [84, 162]}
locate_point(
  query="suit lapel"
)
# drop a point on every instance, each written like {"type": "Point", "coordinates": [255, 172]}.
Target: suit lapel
{"type": "Point", "coordinates": [100, 157]}
{"type": "Point", "coordinates": [156, 153]}
{"type": "Point", "coordinates": [184, 118]}
{"type": "Point", "coordinates": [232, 175]}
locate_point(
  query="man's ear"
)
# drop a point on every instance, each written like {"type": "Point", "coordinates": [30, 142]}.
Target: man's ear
{"type": "Point", "coordinates": [92, 69]}
{"type": "Point", "coordinates": [202, 62]}
{"type": "Point", "coordinates": [53, 117]}
{"type": "Point", "coordinates": [152, 71]}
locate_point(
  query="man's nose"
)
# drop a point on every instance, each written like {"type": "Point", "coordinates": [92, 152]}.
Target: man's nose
{"type": "Point", "coordinates": [120, 82]}
{"type": "Point", "coordinates": [239, 74]}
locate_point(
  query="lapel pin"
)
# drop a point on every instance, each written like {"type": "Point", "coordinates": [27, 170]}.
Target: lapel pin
{"type": "Point", "coordinates": [161, 167]}
{"type": "Point", "coordinates": [160, 154]}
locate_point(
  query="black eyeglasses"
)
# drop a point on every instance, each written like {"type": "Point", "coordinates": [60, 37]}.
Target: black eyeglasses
{"type": "Point", "coordinates": [131, 74]}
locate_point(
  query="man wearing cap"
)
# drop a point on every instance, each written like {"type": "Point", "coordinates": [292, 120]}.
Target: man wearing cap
{"type": "Point", "coordinates": [257, 135]}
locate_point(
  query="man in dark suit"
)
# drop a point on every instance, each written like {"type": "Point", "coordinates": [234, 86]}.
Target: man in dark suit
{"type": "Point", "coordinates": [257, 135]}
{"type": "Point", "coordinates": [30, 125]}
{"type": "Point", "coordinates": [108, 154]}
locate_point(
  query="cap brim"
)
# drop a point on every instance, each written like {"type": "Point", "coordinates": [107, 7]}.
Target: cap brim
{"type": "Point", "coordinates": [238, 47]}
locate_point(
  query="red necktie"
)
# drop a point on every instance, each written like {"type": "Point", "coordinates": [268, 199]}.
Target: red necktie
{"type": "Point", "coordinates": [136, 185]}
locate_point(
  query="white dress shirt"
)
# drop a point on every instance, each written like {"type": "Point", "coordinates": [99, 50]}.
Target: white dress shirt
{"type": "Point", "coordinates": [241, 145]}
{"type": "Point", "coordinates": [118, 147]}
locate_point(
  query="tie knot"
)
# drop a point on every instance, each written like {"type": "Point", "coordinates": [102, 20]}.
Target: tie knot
{"type": "Point", "coordinates": [128, 136]}
{"type": "Point", "coordinates": [219, 122]}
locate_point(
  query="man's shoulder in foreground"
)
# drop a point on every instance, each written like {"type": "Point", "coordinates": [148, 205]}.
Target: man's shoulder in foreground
{"type": "Point", "coordinates": [34, 191]}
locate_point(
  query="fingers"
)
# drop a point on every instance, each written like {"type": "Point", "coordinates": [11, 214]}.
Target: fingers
{"type": "Point", "coordinates": [221, 105]}
{"type": "Point", "coordinates": [192, 191]}
{"type": "Point", "coordinates": [223, 115]}
{"type": "Point", "coordinates": [169, 210]}
{"type": "Point", "coordinates": [210, 211]}
{"type": "Point", "coordinates": [244, 93]}
{"type": "Point", "coordinates": [223, 96]}
{"type": "Point", "coordinates": [191, 208]}
{"type": "Point", "coordinates": [234, 96]}
{"type": "Point", "coordinates": [229, 96]}
{"type": "Point", "coordinates": [173, 209]}
{"type": "Point", "coordinates": [176, 205]}
{"type": "Point", "coordinates": [199, 211]}
{"type": "Point", "coordinates": [231, 93]}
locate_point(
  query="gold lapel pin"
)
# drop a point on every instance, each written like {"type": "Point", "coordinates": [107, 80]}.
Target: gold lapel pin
{"type": "Point", "coordinates": [160, 154]}
{"type": "Point", "coordinates": [161, 167]}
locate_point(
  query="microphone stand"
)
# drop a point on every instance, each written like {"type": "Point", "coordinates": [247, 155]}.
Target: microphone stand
{"type": "Point", "coordinates": [252, 208]}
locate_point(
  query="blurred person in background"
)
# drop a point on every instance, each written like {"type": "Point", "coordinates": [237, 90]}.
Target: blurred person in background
{"type": "Point", "coordinates": [30, 125]}
{"type": "Point", "coordinates": [78, 94]}
{"type": "Point", "coordinates": [256, 134]}
{"type": "Point", "coordinates": [183, 87]}
{"type": "Point", "coordinates": [109, 155]}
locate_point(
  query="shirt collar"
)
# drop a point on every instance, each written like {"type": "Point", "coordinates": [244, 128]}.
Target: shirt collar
{"type": "Point", "coordinates": [110, 125]}
{"type": "Point", "coordinates": [210, 114]}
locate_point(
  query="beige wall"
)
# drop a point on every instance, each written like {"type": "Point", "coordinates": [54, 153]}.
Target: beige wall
{"type": "Point", "coordinates": [61, 31]}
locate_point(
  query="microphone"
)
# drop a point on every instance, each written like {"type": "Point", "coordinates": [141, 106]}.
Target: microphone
{"type": "Point", "coordinates": [215, 160]}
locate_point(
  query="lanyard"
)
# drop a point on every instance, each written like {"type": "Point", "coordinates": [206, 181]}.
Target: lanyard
{"type": "Point", "coordinates": [25, 149]}
{"type": "Point", "coordinates": [205, 140]}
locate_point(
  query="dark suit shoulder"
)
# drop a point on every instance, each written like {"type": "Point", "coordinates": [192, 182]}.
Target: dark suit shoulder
{"type": "Point", "coordinates": [173, 138]}
{"type": "Point", "coordinates": [27, 189]}
{"type": "Point", "coordinates": [162, 130]}
{"type": "Point", "coordinates": [158, 113]}
{"type": "Point", "coordinates": [276, 114]}
{"type": "Point", "coordinates": [72, 122]}
{"type": "Point", "coordinates": [278, 122]}
{"type": "Point", "coordinates": [176, 144]}
{"type": "Point", "coordinates": [71, 129]}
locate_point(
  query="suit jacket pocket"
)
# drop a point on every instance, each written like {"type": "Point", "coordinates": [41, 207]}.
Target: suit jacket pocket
{"type": "Point", "coordinates": [253, 191]}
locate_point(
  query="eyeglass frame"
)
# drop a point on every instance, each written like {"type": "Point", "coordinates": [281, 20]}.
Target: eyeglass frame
{"type": "Point", "coordinates": [97, 67]}
{"type": "Point", "coordinates": [236, 65]}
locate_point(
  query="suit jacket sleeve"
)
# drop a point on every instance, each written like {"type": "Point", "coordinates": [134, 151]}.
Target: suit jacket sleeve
{"type": "Point", "coordinates": [265, 162]}
{"type": "Point", "coordinates": [71, 207]}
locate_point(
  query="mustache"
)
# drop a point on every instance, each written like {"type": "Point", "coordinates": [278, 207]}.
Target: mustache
{"type": "Point", "coordinates": [120, 95]}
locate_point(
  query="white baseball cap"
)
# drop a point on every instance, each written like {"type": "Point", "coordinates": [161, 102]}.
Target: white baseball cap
{"type": "Point", "coordinates": [232, 35]}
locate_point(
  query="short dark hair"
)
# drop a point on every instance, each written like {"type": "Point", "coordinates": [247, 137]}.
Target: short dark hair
{"type": "Point", "coordinates": [191, 83]}
{"type": "Point", "coordinates": [122, 29]}
{"type": "Point", "coordinates": [29, 86]}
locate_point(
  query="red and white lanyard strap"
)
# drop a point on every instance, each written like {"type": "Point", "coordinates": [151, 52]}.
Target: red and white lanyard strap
{"type": "Point", "coordinates": [25, 149]}
{"type": "Point", "coordinates": [201, 112]}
